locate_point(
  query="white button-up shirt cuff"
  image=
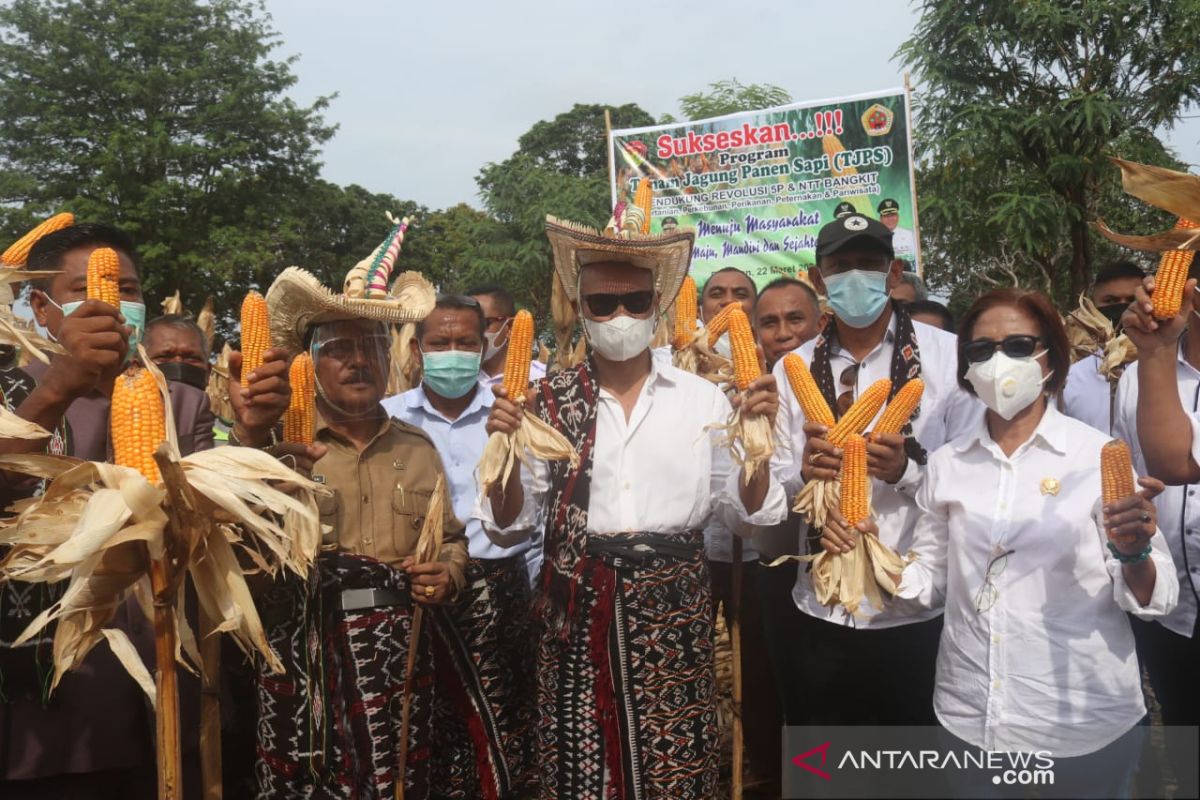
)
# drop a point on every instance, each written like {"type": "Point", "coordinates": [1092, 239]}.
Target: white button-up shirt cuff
{"type": "Point", "coordinates": [910, 481]}
{"type": "Point", "coordinates": [535, 487]}
{"type": "Point", "coordinates": [1166, 584]}
{"type": "Point", "coordinates": [774, 507]}
{"type": "Point", "coordinates": [916, 583]}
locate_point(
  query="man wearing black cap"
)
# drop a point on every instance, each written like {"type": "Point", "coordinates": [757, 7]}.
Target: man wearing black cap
{"type": "Point", "coordinates": [843, 210]}
{"type": "Point", "coordinates": [903, 243]}
{"type": "Point", "coordinates": [886, 654]}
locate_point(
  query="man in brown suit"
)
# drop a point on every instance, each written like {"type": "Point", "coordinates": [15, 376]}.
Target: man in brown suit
{"type": "Point", "coordinates": [94, 737]}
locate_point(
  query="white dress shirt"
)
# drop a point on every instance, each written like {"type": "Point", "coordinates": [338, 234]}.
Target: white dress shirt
{"type": "Point", "coordinates": [663, 471]}
{"type": "Point", "coordinates": [1050, 665]}
{"type": "Point", "coordinates": [537, 371]}
{"type": "Point", "coordinates": [1087, 396]}
{"type": "Point", "coordinates": [1178, 506]}
{"type": "Point", "coordinates": [460, 443]}
{"type": "Point", "coordinates": [945, 412]}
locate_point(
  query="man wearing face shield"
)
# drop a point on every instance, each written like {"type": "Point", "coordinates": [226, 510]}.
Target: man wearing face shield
{"type": "Point", "coordinates": [887, 653]}
{"type": "Point", "coordinates": [625, 663]}
{"type": "Point", "coordinates": [325, 730]}
{"type": "Point", "coordinates": [1088, 396]}
{"type": "Point", "coordinates": [493, 613]}
{"type": "Point", "coordinates": [93, 736]}
{"type": "Point", "coordinates": [499, 308]}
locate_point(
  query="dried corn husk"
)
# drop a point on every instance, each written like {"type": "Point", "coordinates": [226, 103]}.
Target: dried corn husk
{"type": "Point", "coordinates": [173, 305]}
{"type": "Point", "coordinates": [531, 437]}
{"type": "Point", "coordinates": [218, 387]}
{"type": "Point", "coordinates": [207, 322]}
{"type": "Point", "coordinates": [96, 522]}
{"type": "Point", "coordinates": [750, 439]}
{"type": "Point", "coordinates": [847, 579]}
{"type": "Point", "coordinates": [405, 371]}
{"type": "Point", "coordinates": [816, 498]}
{"type": "Point", "coordinates": [1176, 192]}
{"type": "Point", "coordinates": [1090, 332]}
{"type": "Point", "coordinates": [564, 317]}
{"type": "Point", "coordinates": [14, 427]}
{"type": "Point", "coordinates": [700, 359]}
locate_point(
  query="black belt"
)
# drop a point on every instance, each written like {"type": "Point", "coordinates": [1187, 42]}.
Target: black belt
{"type": "Point", "coordinates": [641, 547]}
{"type": "Point", "coordinates": [359, 599]}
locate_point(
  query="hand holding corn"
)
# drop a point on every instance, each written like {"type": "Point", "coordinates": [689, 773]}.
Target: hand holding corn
{"type": "Point", "coordinates": [506, 415]}
{"type": "Point", "coordinates": [1130, 517]}
{"type": "Point", "coordinates": [259, 397]}
{"type": "Point", "coordinates": [1152, 335]}
{"type": "Point", "coordinates": [96, 341]}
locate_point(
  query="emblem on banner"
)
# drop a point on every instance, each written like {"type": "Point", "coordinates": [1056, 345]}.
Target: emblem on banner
{"type": "Point", "coordinates": [877, 120]}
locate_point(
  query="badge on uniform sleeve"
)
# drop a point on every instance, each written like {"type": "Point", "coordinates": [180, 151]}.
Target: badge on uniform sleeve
{"type": "Point", "coordinates": [1051, 486]}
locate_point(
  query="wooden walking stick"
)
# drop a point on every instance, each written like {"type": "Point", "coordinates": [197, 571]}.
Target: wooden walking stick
{"type": "Point", "coordinates": [429, 547]}
{"type": "Point", "coordinates": [735, 639]}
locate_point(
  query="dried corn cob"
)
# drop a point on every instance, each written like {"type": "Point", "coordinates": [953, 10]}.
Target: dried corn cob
{"type": "Point", "coordinates": [832, 145]}
{"type": "Point", "coordinates": [746, 367]}
{"type": "Point", "coordinates": [256, 335]}
{"type": "Point", "coordinates": [807, 394]}
{"type": "Point", "coordinates": [856, 485]}
{"type": "Point", "coordinates": [859, 415]}
{"type": "Point", "coordinates": [685, 314]}
{"type": "Point", "coordinates": [717, 326]}
{"type": "Point", "coordinates": [18, 252]}
{"type": "Point", "coordinates": [901, 407]}
{"type": "Point", "coordinates": [138, 422]}
{"type": "Point", "coordinates": [298, 420]}
{"type": "Point", "coordinates": [103, 275]}
{"type": "Point", "coordinates": [1171, 277]}
{"type": "Point", "coordinates": [1116, 472]}
{"type": "Point", "coordinates": [644, 199]}
{"type": "Point", "coordinates": [516, 360]}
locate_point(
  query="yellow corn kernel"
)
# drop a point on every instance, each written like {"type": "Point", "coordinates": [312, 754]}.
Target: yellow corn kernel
{"type": "Point", "coordinates": [1172, 275]}
{"type": "Point", "coordinates": [746, 367]}
{"type": "Point", "coordinates": [644, 199]}
{"type": "Point", "coordinates": [901, 408]}
{"type": "Point", "coordinates": [856, 484]}
{"type": "Point", "coordinates": [859, 415]}
{"type": "Point", "coordinates": [17, 253]}
{"type": "Point", "coordinates": [1116, 472]}
{"type": "Point", "coordinates": [717, 326]}
{"type": "Point", "coordinates": [832, 145]}
{"type": "Point", "coordinates": [103, 276]}
{"type": "Point", "coordinates": [256, 334]}
{"type": "Point", "coordinates": [516, 360]}
{"type": "Point", "coordinates": [299, 418]}
{"type": "Point", "coordinates": [138, 422]}
{"type": "Point", "coordinates": [685, 314]}
{"type": "Point", "coordinates": [812, 403]}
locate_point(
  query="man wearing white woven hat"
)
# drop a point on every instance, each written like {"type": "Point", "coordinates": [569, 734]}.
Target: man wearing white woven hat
{"type": "Point", "coordinates": [345, 638]}
{"type": "Point", "coordinates": [627, 690]}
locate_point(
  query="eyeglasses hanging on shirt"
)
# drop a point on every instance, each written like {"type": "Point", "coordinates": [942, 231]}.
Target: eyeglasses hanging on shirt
{"type": "Point", "coordinates": [985, 598]}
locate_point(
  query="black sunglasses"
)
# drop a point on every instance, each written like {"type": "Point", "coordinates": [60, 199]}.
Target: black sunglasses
{"type": "Point", "coordinates": [1016, 346]}
{"type": "Point", "coordinates": [605, 305]}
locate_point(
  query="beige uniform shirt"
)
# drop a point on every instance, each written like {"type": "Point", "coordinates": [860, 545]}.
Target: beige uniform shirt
{"type": "Point", "coordinates": [381, 495]}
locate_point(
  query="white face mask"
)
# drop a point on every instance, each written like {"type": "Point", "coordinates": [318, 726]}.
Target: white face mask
{"type": "Point", "coordinates": [493, 348]}
{"type": "Point", "coordinates": [620, 338]}
{"type": "Point", "coordinates": [1007, 385]}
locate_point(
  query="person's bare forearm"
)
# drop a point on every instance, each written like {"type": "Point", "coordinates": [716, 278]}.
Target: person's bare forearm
{"type": "Point", "coordinates": [754, 492]}
{"type": "Point", "coordinates": [45, 407]}
{"type": "Point", "coordinates": [507, 500]}
{"type": "Point", "coordinates": [1140, 579]}
{"type": "Point", "coordinates": [1164, 429]}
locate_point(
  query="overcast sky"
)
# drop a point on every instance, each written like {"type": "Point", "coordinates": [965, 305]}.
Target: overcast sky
{"type": "Point", "coordinates": [429, 92]}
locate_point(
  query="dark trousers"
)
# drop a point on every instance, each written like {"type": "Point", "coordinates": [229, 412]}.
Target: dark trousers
{"type": "Point", "coordinates": [784, 632]}
{"type": "Point", "coordinates": [1173, 664]}
{"type": "Point", "coordinates": [761, 715]}
{"type": "Point", "coordinates": [863, 676]}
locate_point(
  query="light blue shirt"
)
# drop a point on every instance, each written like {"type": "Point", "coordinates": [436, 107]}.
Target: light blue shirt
{"type": "Point", "coordinates": [460, 443]}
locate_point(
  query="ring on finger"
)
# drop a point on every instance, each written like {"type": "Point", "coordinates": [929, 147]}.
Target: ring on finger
{"type": "Point", "coordinates": [429, 590]}
{"type": "Point", "coordinates": [1145, 517]}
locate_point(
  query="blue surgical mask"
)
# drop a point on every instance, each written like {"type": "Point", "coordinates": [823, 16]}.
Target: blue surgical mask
{"type": "Point", "coordinates": [134, 313]}
{"type": "Point", "coordinates": [451, 373]}
{"type": "Point", "coordinates": [858, 296]}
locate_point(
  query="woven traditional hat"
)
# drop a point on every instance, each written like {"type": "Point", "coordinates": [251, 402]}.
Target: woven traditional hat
{"type": "Point", "coordinates": [297, 300]}
{"type": "Point", "coordinates": [667, 256]}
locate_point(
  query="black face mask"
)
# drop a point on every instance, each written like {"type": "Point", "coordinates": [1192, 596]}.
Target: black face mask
{"type": "Point", "coordinates": [1113, 313]}
{"type": "Point", "coordinates": [185, 373]}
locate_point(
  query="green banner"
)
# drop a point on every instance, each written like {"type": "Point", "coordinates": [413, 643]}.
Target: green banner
{"type": "Point", "coordinates": [757, 186]}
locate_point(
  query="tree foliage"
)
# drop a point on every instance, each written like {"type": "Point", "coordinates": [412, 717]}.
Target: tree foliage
{"type": "Point", "coordinates": [1022, 104]}
{"type": "Point", "coordinates": [730, 96]}
{"type": "Point", "coordinates": [168, 118]}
